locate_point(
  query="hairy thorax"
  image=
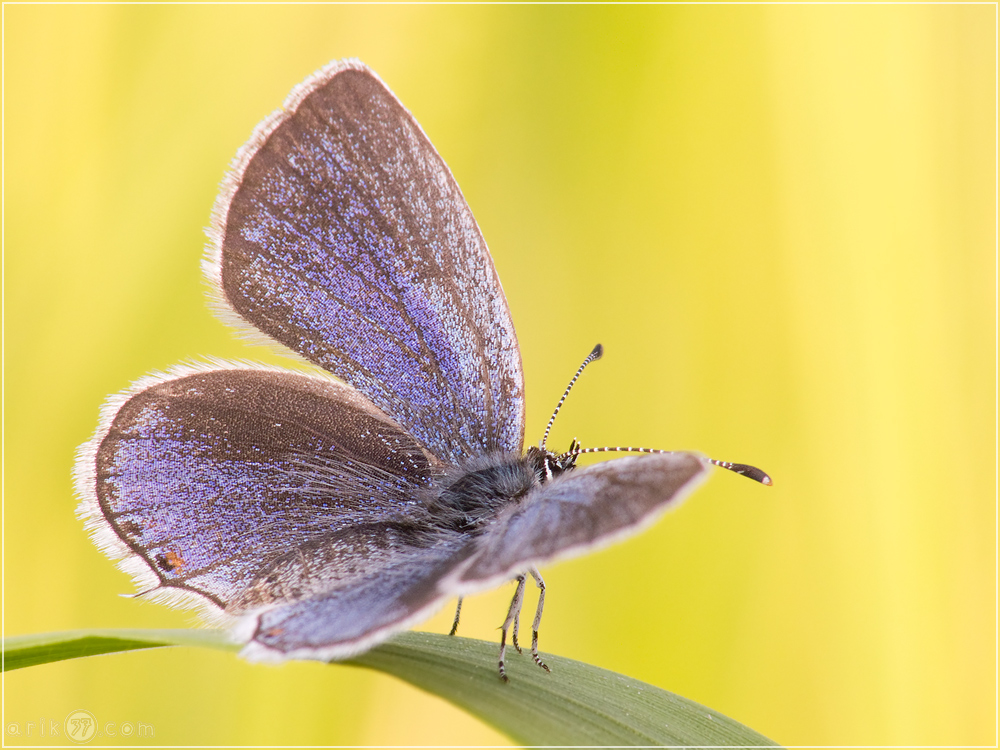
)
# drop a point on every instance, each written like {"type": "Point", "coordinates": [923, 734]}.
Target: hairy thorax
{"type": "Point", "coordinates": [467, 498]}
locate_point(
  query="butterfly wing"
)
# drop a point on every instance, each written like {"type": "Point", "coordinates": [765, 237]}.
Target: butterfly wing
{"type": "Point", "coordinates": [579, 511]}
{"type": "Point", "coordinates": [352, 615]}
{"type": "Point", "coordinates": [220, 485]}
{"type": "Point", "coordinates": [341, 234]}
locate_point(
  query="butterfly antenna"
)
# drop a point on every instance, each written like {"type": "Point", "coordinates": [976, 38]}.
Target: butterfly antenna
{"type": "Point", "coordinates": [597, 353]}
{"type": "Point", "coordinates": [745, 470]}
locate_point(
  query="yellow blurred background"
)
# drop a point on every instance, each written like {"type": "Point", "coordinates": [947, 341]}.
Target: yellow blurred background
{"type": "Point", "coordinates": [779, 221]}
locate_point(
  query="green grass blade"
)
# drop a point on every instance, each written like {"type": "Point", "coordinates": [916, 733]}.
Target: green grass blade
{"type": "Point", "coordinates": [577, 704]}
{"type": "Point", "coordinates": [30, 650]}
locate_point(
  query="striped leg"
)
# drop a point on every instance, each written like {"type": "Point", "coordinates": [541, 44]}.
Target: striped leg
{"type": "Point", "coordinates": [538, 620]}
{"type": "Point", "coordinates": [512, 615]}
{"type": "Point", "coordinates": [458, 611]}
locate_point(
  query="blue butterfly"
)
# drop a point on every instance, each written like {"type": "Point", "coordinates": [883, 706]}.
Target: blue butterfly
{"type": "Point", "coordinates": [317, 516]}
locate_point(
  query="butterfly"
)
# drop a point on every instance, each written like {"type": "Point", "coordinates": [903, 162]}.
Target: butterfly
{"type": "Point", "coordinates": [315, 515]}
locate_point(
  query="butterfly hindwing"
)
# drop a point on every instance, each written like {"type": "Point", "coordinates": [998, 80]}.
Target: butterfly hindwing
{"type": "Point", "coordinates": [206, 481]}
{"type": "Point", "coordinates": [349, 617]}
{"type": "Point", "coordinates": [341, 234]}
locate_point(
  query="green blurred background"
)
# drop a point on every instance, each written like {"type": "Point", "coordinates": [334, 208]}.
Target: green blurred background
{"type": "Point", "coordinates": [779, 220]}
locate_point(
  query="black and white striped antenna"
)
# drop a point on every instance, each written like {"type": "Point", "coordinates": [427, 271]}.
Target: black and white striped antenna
{"type": "Point", "coordinates": [746, 470]}
{"type": "Point", "coordinates": [595, 354]}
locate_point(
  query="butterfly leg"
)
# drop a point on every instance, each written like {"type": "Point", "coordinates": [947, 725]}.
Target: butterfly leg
{"type": "Point", "coordinates": [514, 626]}
{"type": "Point", "coordinates": [512, 617]}
{"type": "Point", "coordinates": [538, 620]}
{"type": "Point", "coordinates": [458, 611]}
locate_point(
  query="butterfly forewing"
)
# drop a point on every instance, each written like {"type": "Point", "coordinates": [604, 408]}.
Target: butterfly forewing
{"type": "Point", "coordinates": [578, 511]}
{"type": "Point", "coordinates": [342, 235]}
{"type": "Point", "coordinates": [215, 477]}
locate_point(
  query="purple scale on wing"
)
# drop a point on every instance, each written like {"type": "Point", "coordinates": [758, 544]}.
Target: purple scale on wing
{"type": "Point", "coordinates": [213, 476]}
{"type": "Point", "coordinates": [361, 288]}
{"type": "Point", "coordinates": [342, 235]}
{"type": "Point", "coordinates": [304, 299]}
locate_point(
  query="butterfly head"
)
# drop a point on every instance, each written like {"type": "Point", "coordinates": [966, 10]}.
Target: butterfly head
{"type": "Point", "coordinates": [547, 465]}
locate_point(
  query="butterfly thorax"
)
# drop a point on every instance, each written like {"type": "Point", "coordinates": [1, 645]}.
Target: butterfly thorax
{"type": "Point", "coordinates": [468, 498]}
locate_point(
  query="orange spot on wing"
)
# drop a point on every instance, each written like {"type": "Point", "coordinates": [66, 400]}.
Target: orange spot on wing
{"type": "Point", "coordinates": [170, 561]}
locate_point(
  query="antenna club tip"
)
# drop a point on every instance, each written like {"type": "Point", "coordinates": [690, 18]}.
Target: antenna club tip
{"type": "Point", "coordinates": [597, 352]}
{"type": "Point", "coordinates": [746, 470]}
